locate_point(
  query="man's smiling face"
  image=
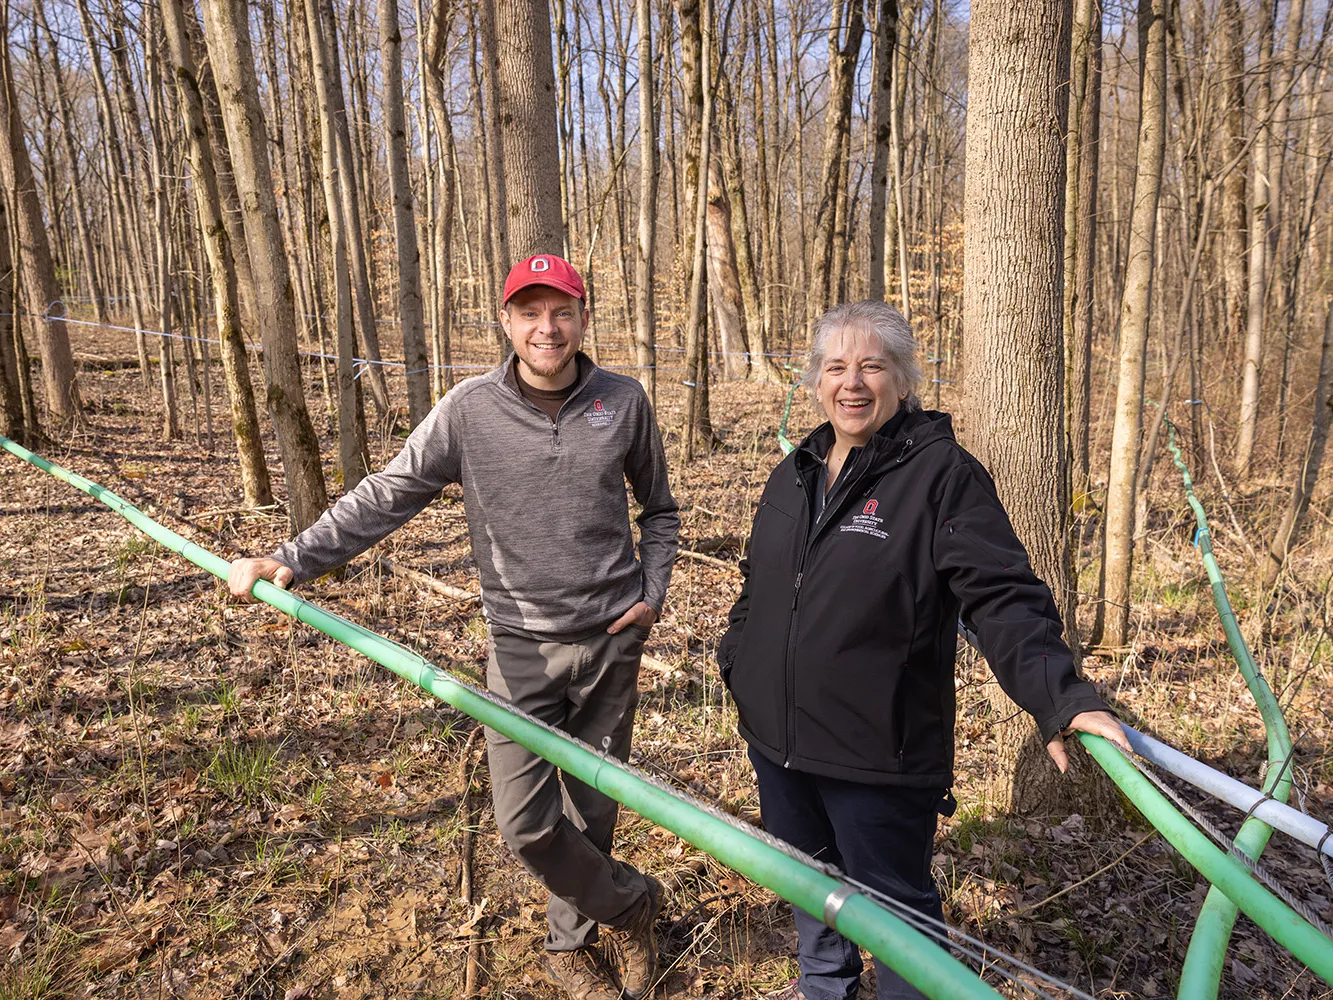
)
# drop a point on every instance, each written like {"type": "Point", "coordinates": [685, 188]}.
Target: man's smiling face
{"type": "Point", "coordinates": [545, 326]}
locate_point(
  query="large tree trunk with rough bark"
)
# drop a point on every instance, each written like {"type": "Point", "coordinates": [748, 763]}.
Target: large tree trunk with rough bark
{"type": "Point", "coordinates": [1013, 339]}
{"type": "Point", "coordinates": [526, 88]}
{"type": "Point", "coordinates": [1112, 624]}
{"type": "Point", "coordinates": [227, 33]}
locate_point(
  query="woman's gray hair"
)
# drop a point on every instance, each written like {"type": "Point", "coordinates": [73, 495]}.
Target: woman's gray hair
{"type": "Point", "coordinates": [880, 321]}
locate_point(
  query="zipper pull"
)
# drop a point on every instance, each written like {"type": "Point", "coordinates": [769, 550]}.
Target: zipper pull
{"type": "Point", "coordinates": [796, 591]}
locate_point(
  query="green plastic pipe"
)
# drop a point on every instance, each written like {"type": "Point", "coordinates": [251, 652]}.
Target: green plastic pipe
{"type": "Point", "coordinates": [1201, 973]}
{"type": "Point", "coordinates": [1227, 874]}
{"type": "Point", "coordinates": [888, 938]}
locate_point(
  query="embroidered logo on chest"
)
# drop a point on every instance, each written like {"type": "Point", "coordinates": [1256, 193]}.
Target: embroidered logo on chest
{"type": "Point", "coordinates": [599, 415]}
{"type": "Point", "coordinates": [866, 522]}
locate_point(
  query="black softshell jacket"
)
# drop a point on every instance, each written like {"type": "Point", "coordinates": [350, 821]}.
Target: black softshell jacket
{"type": "Point", "coordinates": [840, 650]}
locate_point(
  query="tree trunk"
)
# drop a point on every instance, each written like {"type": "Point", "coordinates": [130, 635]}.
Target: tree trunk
{"type": "Point", "coordinates": [497, 225]}
{"type": "Point", "coordinates": [162, 241]}
{"type": "Point", "coordinates": [896, 225]}
{"type": "Point", "coordinates": [756, 333]}
{"type": "Point", "coordinates": [357, 254]}
{"type": "Point", "coordinates": [645, 333]}
{"type": "Point", "coordinates": [1080, 73]}
{"type": "Point", "coordinates": [119, 169]}
{"type": "Point", "coordinates": [235, 367]}
{"type": "Point", "coordinates": [1112, 623]}
{"type": "Point", "coordinates": [1080, 353]}
{"type": "Point", "coordinates": [724, 284]}
{"type": "Point", "coordinates": [526, 78]}
{"type": "Point", "coordinates": [1260, 192]}
{"type": "Point", "coordinates": [1233, 193]}
{"type": "Point", "coordinates": [696, 70]}
{"type": "Point", "coordinates": [353, 454]}
{"type": "Point", "coordinates": [1012, 304]}
{"type": "Point", "coordinates": [12, 422]}
{"type": "Point", "coordinates": [38, 268]}
{"type": "Point", "coordinates": [437, 53]}
{"type": "Point", "coordinates": [227, 33]}
{"type": "Point", "coordinates": [886, 30]}
{"type": "Point", "coordinates": [410, 313]}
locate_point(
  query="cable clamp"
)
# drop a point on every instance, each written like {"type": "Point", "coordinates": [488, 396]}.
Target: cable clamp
{"type": "Point", "coordinates": [834, 903]}
{"type": "Point", "coordinates": [1319, 847]}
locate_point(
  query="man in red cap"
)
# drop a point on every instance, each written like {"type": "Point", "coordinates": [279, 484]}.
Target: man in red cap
{"type": "Point", "coordinates": [543, 446]}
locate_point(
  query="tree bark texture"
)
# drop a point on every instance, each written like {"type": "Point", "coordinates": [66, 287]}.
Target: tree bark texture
{"type": "Point", "coordinates": [526, 78]}
{"type": "Point", "coordinates": [1013, 339]}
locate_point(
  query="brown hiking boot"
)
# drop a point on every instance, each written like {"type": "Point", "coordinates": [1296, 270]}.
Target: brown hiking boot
{"type": "Point", "coordinates": [581, 974]}
{"type": "Point", "coordinates": [634, 946]}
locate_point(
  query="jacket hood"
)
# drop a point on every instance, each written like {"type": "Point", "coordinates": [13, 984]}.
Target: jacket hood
{"type": "Point", "coordinates": [904, 436]}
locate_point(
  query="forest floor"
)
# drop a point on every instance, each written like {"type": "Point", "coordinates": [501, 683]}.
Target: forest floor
{"type": "Point", "coordinates": [204, 799]}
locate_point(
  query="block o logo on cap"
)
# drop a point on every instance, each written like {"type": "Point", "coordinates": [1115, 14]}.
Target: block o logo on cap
{"type": "Point", "coordinates": [540, 264]}
{"type": "Point", "coordinates": [870, 507]}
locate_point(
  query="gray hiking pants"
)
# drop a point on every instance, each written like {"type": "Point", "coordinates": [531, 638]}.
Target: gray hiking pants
{"type": "Point", "coordinates": [560, 828]}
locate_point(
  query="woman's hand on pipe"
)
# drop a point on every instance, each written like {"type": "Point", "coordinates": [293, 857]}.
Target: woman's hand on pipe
{"type": "Point", "coordinates": [1099, 724]}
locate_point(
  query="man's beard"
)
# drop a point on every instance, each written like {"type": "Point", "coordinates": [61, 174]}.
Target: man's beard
{"type": "Point", "coordinates": [551, 370]}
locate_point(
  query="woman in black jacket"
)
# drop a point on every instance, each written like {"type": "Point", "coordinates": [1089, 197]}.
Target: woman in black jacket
{"type": "Point", "coordinates": [871, 540]}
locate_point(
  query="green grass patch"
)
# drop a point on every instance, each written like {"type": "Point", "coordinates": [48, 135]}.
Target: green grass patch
{"type": "Point", "coordinates": [248, 772]}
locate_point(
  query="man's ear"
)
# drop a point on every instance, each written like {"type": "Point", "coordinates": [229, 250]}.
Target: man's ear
{"type": "Point", "coordinates": [504, 320]}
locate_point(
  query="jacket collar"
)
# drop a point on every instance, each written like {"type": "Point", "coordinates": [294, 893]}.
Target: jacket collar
{"type": "Point", "coordinates": [817, 443]}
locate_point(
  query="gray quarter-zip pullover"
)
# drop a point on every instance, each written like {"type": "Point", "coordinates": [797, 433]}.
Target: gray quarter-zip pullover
{"type": "Point", "coordinates": [545, 500]}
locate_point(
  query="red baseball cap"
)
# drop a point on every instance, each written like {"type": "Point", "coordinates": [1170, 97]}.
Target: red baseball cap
{"type": "Point", "coordinates": [544, 269]}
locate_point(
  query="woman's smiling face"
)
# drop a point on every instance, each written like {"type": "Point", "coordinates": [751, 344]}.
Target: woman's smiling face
{"type": "Point", "coordinates": [858, 386]}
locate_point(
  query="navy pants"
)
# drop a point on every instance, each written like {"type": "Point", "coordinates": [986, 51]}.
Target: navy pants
{"type": "Point", "coordinates": [880, 835]}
